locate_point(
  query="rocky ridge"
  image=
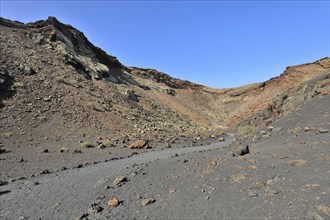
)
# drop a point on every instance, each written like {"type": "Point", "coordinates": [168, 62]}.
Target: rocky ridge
{"type": "Point", "coordinates": [44, 57]}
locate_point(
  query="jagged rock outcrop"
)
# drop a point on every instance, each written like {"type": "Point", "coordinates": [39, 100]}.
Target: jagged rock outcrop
{"type": "Point", "coordinates": [75, 48]}
{"type": "Point", "coordinates": [290, 100]}
{"type": "Point", "coordinates": [160, 77]}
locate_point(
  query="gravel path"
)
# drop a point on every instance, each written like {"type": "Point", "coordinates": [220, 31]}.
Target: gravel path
{"type": "Point", "coordinates": [66, 194]}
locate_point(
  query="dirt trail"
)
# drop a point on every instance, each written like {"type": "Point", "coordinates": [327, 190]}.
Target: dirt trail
{"type": "Point", "coordinates": [67, 194]}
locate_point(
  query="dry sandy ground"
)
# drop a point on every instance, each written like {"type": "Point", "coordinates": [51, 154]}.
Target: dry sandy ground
{"type": "Point", "coordinates": [285, 176]}
{"type": "Point", "coordinates": [64, 194]}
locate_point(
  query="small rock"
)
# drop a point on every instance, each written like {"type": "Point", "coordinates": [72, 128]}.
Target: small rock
{"type": "Point", "coordinates": [47, 98]}
{"type": "Point", "coordinates": [119, 180]}
{"type": "Point", "coordinates": [44, 151]}
{"type": "Point", "coordinates": [222, 139]}
{"type": "Point", "coordinates": [63, 149]}
{"type": "Point", "coordinates": [207, 197]}
{"type": "Point", "coordinates": [147, 201]}
{"type": "Point", "coordinates": [77, 151]}
{"type": "Point", "coordinates": [45, 172]}
{"type": "Point", "coordinates": [307, 129]}
{"type": "Point", "coordinates": [253, 167]}
{"type": "Point", "coordinates": [113, 202]}
{"type": "Point", "coordinates": [321, 131]}
{"type": "Point", "coordinates": [270, 128]}
{"type": "Point", "coordinates": [172, 191]}
{"type": "Point", "coordinates": [140, 144]}
{"type": "Point", "coordinates": [296, 163]}
{"type": "Point", "coordinates": [101, 197]}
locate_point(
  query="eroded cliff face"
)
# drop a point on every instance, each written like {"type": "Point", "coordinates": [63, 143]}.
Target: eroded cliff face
{"type": "Point", "coordinates": [53, 78]}
{"type": "Point", "coordinates": [285, 93]}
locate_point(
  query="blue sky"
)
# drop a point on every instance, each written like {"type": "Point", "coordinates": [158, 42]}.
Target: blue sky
{"type": "Point", "coordinates": [214, 43]}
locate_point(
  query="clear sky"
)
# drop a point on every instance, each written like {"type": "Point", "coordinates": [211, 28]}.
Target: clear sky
{"type": "Point", "coordinates": [215, 43]}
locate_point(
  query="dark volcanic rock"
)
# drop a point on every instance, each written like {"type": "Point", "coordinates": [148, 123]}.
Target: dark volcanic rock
{"type": "Point", "coordinates": [239, 149]}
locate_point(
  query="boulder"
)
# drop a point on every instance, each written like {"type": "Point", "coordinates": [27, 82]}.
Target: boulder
{"type": "Point", "coordinates": [239, 149]}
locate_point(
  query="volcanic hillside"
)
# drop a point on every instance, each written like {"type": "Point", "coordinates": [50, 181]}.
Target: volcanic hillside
{"type": "Point", "coordinates": [55, 84]}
